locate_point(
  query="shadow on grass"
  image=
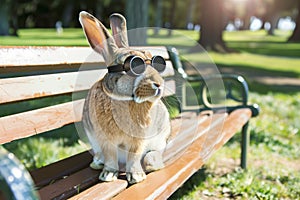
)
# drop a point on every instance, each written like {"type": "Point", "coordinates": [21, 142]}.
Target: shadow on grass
{"type": "Point", "coordinates": [264, 81]}
{"type": "Point", "coordinates": [267, 88]}
{"type": "Point", "coordinates": [269, 48]}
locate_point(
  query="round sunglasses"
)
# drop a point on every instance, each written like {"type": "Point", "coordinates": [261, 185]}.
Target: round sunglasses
{"type": "Point", "coordinates": [135, 65]}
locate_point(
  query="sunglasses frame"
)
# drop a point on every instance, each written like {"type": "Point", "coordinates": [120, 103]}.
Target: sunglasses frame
{"type": "Point", "coordinates": [131, 70]}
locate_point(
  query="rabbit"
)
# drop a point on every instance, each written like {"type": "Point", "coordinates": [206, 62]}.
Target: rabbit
{"type": "Point", "coordinates": [123, 115]}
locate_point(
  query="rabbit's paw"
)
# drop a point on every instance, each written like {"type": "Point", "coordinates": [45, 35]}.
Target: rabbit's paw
{"type": "Point", "coordinates": [135, 177]}
{"type": "Point", "coordinates": [108, 175]}
{"type": "Point", "coordinates": [96, 166]}
{"type": "Point", "coordinates": [153, 161]}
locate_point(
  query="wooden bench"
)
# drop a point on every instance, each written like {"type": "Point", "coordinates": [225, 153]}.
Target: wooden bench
{"type": "Point", "coordinates": [28, 73]}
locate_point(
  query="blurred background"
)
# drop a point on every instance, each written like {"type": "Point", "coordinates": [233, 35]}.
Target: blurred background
{"type": "Point", "coordinates": [259, 39]}
{"type": "Point", "coordinates": [218, 15]}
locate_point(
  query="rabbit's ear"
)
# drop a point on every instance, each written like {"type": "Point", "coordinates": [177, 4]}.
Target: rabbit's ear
{"type": "Point", "coordinates": [98, 36]}
{"type": "Point", "coordinates": [119, 29]}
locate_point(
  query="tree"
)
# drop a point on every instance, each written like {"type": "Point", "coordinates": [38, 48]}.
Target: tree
{"type": "Point", "coordinates": [4, 17]}
{"type": "Point", "coordinates": [171, 17]}
{"type": "Point", "coordinates": [295, 37]}
{"type": "Point", "coordinates": [189, 15]}
{"type": "Point", "coordinates": [212, 25]}
{"type": "Point", "coordinates": [158, 16]}
{"type": "Point", "coordinates": [137, 21]}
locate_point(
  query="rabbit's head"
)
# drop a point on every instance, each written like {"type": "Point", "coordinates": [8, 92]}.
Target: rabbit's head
{"type": "Point", "coordinates": [132, 74]}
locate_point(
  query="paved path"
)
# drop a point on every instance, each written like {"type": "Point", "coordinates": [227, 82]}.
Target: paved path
{"type": "Point", "coordinates": [280, 81]}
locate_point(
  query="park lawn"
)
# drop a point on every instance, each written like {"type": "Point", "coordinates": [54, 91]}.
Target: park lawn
{"type": "Point", "coordinates": [45, 37]}
{"type": "Point", "coordinates": [257, 50]}
{"type": "Point", "coordinates": [273, 169]}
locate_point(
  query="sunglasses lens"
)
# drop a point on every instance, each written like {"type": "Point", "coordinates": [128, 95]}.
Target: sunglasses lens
{"type": "Point", "coordinates": [135, 65]}
{"type": "Point", "coordinates": [159, 63]}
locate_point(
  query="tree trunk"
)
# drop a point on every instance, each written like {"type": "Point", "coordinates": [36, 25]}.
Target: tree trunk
{"type": "Point", "coordinates": [171, 17]}
{"type": "Point", "coordinates": [14, 19]}
{"type": "Point", "coordinates": [137, 21]}
{"type": "Point", "coordinates": [4, 18]}
{"type": "Point", "coordinates": [67, 14]}
{"type": "Point", "coordinates": [295, 37]}
{"type": "Point", "coordinates": [189, 15]}
{"type": "Point", "coordinates": [158, 17]}
{"type": "Point", "coordinates": [212, 26]}
{"type": "Point", "coordinates": [273, 24]}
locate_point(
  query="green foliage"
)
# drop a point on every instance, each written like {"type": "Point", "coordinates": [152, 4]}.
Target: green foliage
{"type": "Point", "coordinates": [172, 105]}
{"type": "Point", "coordinates": [255, 185]}
{"type": "Point", "coordinates": [41, 151]}
{"type": "Point", "coordinates": [281, 137]}
{"type": "Point", "coordinates": [47, 147]}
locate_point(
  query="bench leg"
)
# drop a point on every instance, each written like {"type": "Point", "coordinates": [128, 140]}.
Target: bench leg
{"type": "Point", "coordinates": [244, 146]}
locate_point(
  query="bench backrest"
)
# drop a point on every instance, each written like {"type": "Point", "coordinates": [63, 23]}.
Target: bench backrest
{"type": "Point", "coordinates": [28, 73]}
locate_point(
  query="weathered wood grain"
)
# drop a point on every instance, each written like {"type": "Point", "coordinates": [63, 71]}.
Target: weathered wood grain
{"type": "Point", "coordinates": [30, 123]}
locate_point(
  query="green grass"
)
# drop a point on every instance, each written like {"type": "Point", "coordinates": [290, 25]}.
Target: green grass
{"type": "Point", "coordinates": [259, 62]}
{"type": "Point", "coordinates": [43, 150]}
{"type": "Point", "coordinates": [273, 169]}
{"type": "Point", "coordinates": [260, 43]}
{"type": "Point", "coordinates": [258, 51]}
{"type": "Point", "coordinates": [45, 37]}
{"type": "Point", "coordinates": [273, 162]}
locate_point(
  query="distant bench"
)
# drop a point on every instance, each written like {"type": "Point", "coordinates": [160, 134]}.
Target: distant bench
{"type": "Point", "coordinates": [28, 73]}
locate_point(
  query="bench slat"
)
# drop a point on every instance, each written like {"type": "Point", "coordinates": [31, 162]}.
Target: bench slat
{"type": "Point", "coordinates": [104, 190]}
{"type": "Point", "coordinates": [79, 181]}
{"type": "Point", "coordinates": [37, 121]}
{"type": "Point", "coordinates": [199, 126]}
{"type": "Point", "coordinates": [23, 88]}
{"type": "Point", "coordinates": [42, 56]}
{"type": "Point", "coordinates": [45, 175]}
{"type": "Point", "coordinates": [173, 176]}
{"type": "Point", "coordinates": [20, 59]}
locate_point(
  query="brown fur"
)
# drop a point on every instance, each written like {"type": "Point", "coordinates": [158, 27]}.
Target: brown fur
{"type": "Point", "coordinates": [102, 111]}
{"type": "Point", "coordinates": [140, 113]}
{"type": "Point", "coordinates": [122, 113]}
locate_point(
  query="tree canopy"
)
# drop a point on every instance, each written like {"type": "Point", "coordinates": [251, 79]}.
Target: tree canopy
{"type": "Point", "coordinates": [173, 14]}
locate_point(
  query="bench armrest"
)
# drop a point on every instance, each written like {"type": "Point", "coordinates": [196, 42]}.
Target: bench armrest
{"type": "Point", "coordinates": [236, 89]}
{"type": "Point", "coordinates": [15, 181]}
{"type": "Point", "coordinates": [242, 100]}
{"type": "Point", "coordinates": [231, 84]}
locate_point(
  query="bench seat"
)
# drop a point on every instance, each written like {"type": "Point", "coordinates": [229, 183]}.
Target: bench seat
{"type": "Point", "coordinates": [184, 155]}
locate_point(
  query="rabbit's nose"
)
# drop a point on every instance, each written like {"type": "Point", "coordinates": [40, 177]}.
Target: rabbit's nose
{"type": "Point", "coordinates": [156, 85]}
